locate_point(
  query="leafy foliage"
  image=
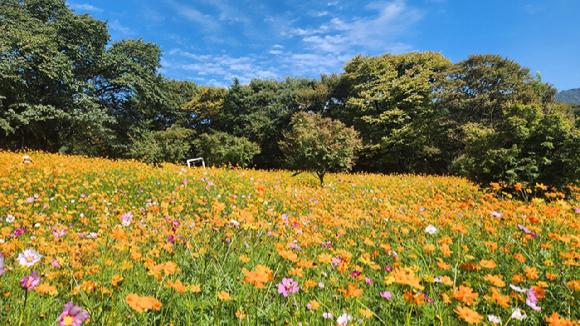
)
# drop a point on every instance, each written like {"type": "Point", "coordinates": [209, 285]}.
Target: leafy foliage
{"type": "Point", "coordinates": [221, 148]}
{"type": "Point", "coordinates": [390, 101]}
{"type": "Point", "coordinates": [319, 145]}
{"type": "Point", "coordinates": [154, 147]}
{"type": "Point", "coordinates": [530, 147]}
{"type": "Point", "coordinates": [66, 87]}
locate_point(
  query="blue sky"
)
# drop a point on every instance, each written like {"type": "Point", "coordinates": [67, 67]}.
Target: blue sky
{"type": "Point", "coordinates": [211, 41]}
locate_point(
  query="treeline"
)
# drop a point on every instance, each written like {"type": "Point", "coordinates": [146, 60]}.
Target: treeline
{"type": "Point", "coordinates": [65, 87]}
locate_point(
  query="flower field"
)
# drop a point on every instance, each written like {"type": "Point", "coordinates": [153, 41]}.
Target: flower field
{"type": "Point", "coordinates": [103, 242]}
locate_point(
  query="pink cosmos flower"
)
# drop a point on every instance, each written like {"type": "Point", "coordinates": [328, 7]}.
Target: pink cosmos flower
{"type": "Point", "coordinates": [72, 315]}
{"type": "Point", "coordinates": [518, 289]}
{"type": "Point", "coordinates": [288, 286]}
{"type": "Point", "coordinates": [31, 281]}
{"type": "Point", "coordinates": [497, 214]}
{"type": "Point", "coordinates": [126, 219]}
{"type": "Point", "coordinates": [55, 263]}
{"type": "Point", "coordinates": [387, 295]}
{"type": "Point", "coordinates": [525, 229]}
{"type": "Point", "coordinates": [532, 299]}
{"type": "Point", "coordinates": [30, 199]}
{"type": "Point", "coordinates": [59, 233]}
{"type": "Point", "coordinates": [2, 270]}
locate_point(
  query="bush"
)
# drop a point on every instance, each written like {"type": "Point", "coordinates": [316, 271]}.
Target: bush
{"type": "Point", "coordinates": [531, 145]}
{"type": "Point", "coordinates": [154, 147]}
{"type": "Point", "coordinates": [221, 148]}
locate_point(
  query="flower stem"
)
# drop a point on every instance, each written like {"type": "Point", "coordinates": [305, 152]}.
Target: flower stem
{"type": "Point", "coordinates": [23, 308]}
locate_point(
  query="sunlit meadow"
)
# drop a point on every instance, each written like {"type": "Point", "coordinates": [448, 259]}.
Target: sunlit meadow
{"type": "Point", "coordinates": [103, 242]}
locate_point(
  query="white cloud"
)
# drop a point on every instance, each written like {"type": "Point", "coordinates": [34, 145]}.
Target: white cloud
{"type": "Point", "coordinates": [86, 7]}
{"type": "Point", "coordinates": [220, 67]}
{"type": "Point", "coordinates": [192, 14]}
{"type": "Point", "coordinates": [322, 13]}
{"type": "Point", "coordinates": [379, 31]}
{"type": "Point", "coordinates": [116, 26]}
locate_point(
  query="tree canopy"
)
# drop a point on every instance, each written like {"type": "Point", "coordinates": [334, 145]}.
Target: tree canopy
{"type": "Point", "coordinates": [66, 87]}
{"type": "Point", "coordinates": [319, 145]}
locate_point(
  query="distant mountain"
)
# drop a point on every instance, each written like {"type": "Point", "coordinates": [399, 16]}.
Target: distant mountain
{"type": "Point", "coordinates": [569, 96]}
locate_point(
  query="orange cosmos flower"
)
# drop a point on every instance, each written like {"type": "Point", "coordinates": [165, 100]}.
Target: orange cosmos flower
{"type": "Point", "coordinates": [116, 279]}
{"type": "Point", "coordinates": [353, 291]}
{"type": "Point", "coordinates": [488, 263]}
{"type": "Point", "coordinates": [287, 254]}
{"type": "Point", "coordinates": [406, 276]}
{"type": "Point", "coordinates": [502, 300]}
{"type": "Point", "coordinates": [470, 316]}
{"type": "Point", "coordinates": [531, 272]}
{"type": "Point", "coordinates": [519, 257]}
{"type": "Point", "coordinates": [445, 250]}
{"type": "Point", "coordinates": [365, 312]}
{"type": "Point", "coordinates": [45, 288]}
{"type": "Point", "coordinates": [443, 265]}
{"type": "Point", "coordinates": [195, 288]}
{"type": "Point", "coordinates": [224, 296]}
{"type": "Point", "coordinates": [555, 320]}
{"type": "Point", "coordinates": [141, 304]}
{"type": "Point", "coordinates": [495, 280]}
{"type": "Point", "coordinates": [325, 258]}
{"type": "Point", "coordinates": [256, 277]}
{"type": "Point", "coordinates": [465, 294]}
{"type": "Point", "coordinates": [169, 268]}
{"type": "Point", "coordinates": [418, 299]}
{"type": "Point", "coordinates": [574, 285]}
{"type": "Point", "coordinates": [178, 286]}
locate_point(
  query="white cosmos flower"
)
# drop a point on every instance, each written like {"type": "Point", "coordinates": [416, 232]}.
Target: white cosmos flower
{"type": "Point", "coordinates": [343, 319]}
{"type": "Point", "coordinates": [28, 258]}
{"type": "Point", "coordinates": [431, 229]}
{"type": "Point", "coordinates": [494, 319]}
{"type": "Point", "coordinates": [517, 314]}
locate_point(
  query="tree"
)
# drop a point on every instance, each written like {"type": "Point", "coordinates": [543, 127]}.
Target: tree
{"type": "Point", "coordinates": [389, 100]}
{"type": "Point", "coordinates": [48, 57]}
{"type": "Point", "coordinates": [221, 148]}
{"type": "Point", "coordinates": [154, 147]}
{"type": "Point", "coordinates": [478, 89]}
{"type": "Point", "coordinates": [319, 145]}
{"type": "Point", "coordinates": [534, 144]}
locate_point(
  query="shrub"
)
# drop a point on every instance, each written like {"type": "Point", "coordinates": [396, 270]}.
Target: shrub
{"type": "Point", "coordinates": [221, 148]}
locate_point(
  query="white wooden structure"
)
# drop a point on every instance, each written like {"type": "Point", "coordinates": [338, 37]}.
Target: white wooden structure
{"type": "Point", "coordinates": [194, 160]}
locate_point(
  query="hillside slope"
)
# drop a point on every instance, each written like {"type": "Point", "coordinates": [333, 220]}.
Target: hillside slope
{"type": "Point", "coordinates": [569, 96]}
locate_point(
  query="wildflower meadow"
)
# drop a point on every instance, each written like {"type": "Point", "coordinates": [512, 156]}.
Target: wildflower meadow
{"type": "Point", "coordinates": [103, 242]}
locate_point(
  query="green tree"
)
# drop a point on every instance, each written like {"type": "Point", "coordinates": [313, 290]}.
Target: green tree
{"type": "Point", "coordinates": [532, 144]}
{"type": "Point", "coordinates": [389, 100]}
{"type": "Point", "coordinates": [48, 58]}
{"type": "Point", "coordinates": [154, 147]}
{"type": "Point", "coordinates": [221, 148]}
{"type": "Point", "coordinates": [204, 112]}
{"type": "Point", "coordinates": [260, 111]}
{"type": "Point", "coordinates": [319, 145]}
